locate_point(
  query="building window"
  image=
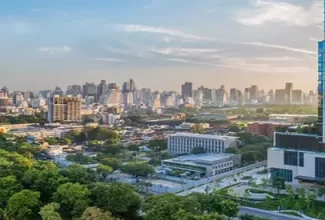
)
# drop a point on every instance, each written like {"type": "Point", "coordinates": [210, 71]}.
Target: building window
{"type": "Point", "coordinates": [301, 159]}
{"type": "Point", "coordinates": [319, 167]}
{"type": "Point", "coordinates": [290, 158]}
{"type": "Point", "coordinates": [285, 174]}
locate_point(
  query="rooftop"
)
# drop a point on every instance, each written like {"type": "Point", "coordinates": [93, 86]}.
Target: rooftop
{"type": "Point", "coordinates": [206, 158]}
{"type": "Point", "coordinates": [269, 123]}
{"type": "Point", "coordinates": [207, 136]}
{"type": "Point", "coordinates": [291, 115]}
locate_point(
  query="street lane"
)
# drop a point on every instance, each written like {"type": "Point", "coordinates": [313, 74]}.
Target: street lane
{"type": "Point", "coordinates": [267, 214]}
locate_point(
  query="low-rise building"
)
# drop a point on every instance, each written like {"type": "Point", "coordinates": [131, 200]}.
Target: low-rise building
{"type": "Point", "coordinates": [183, 143]}
{"type": "Point", "coordinates": [265, 128]}
{"type": "Point", "coordinates": [209, 164]}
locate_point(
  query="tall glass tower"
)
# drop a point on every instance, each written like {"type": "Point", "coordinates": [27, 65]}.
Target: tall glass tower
{"type": "Point", "coordinates": [321, 87]}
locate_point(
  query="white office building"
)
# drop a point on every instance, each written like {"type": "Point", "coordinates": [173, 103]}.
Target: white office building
{"type": "Point", "coordinates": [183, 143]}
{"type": "Point", "coordinates": [297, 158]}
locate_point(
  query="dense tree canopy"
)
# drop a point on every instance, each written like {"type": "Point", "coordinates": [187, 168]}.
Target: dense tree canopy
{"type": "Point", "coordinates": [119, 199]}
{"type": "Point", "coordinates": [138, 169]}
{"type": "Point", "coordinates": [50, 212]}
{"type": "Point", "coordinates": [23, 205]}
{"type": "Point", "coordinates": [73, 198]}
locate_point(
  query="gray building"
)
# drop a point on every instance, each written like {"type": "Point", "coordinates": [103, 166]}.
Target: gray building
{"type": "Point", "coordinates": [209, 164]}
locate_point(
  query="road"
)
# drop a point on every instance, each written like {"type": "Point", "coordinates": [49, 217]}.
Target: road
{"type": "Point", "coordinates": [267, 214]}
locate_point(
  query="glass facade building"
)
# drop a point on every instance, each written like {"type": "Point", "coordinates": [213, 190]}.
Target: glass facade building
{"type": "Point", "coordinates": [321, 84]}
{"type": "Point", "coordinates": [321, 88]}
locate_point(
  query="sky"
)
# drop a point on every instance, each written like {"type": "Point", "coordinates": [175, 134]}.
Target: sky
{"type": "Point", "coordinates": [160, 43]}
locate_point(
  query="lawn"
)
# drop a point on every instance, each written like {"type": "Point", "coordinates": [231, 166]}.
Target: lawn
{"type": "Point", "coordinates": [137, 161]}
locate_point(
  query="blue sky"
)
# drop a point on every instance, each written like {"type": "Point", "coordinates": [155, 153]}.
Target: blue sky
{"type": "Point", "coordinates": [159, 43]}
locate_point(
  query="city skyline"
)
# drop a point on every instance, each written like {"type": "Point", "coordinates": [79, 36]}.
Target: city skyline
{"type": "Point", "coordinates": [161, 44]}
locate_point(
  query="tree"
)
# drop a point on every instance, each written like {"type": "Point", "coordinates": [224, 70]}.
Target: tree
{"type": "Point", "coordinates": [93, 213]}
{"type": "Point", "coordinates": [104, 170]}
{"type": "Point", "coordinates": [234, 128]}
{"type": "Point", "coordinates": [119, 199]}
{"type": "Point", "coordinates": [111, 161]}
{"type": "Point", "coordinates": [140, 169]}
{"type": "Point", "coordinates": [182, 215]}
{"type": "Point", "coordinates": [251, 217]}
{"type": "Point", "coordinates": [23, 205]}
{"type": "Point", "coordinates": [66, 141]}
{"type": "Point", "coordinates": [73, 198]}
{"type": "Point", "coordinates": [80, 158]}
{"type": "Point", "coordinates": [278, 183]}
{"type": "Point", "coordinates": [144, 186]}
{"type": "Point", "coordinates": [158, 145]}
{"type": "Point", "coordinates": [9, 185]}
{"type": "Point", "coordinates": [164, 207]}
{"type": "Point", "coordinates": [264, 183]}
{"type": "Point", "coordinates": [46, 182]}
{"type": "Point", "coordinates": [12, 163]}
{"type": "Point", "coordinates": [198, 150]}
{"type": "Point", "coordinates": [78, 174]}
{"type": "Point", "coordinates": [229, 208]}
{"type": "Point", "coordinates": [133, 147]}
{"type": "Point", "coordinates": [232, 150]}
{"type": "Point", "coordinates": [50, 212]}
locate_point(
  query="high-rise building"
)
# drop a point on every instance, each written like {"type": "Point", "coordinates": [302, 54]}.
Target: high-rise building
{"type": "Point", "coordinates": [288, 89]}
{"type": "Point", "coordinates": [280, 96]}
{"type": "Point", "coordinates": [4, 92]}
{"type": "Point", "coordinates": [89, 89]}
{"type": "Point", "coordinates": [235, 96]}
{"type": "Point", "coordinates": [112, 86]}
{"type": "Point", "coordinates": [297, 97]}
{"type": "Point", "coordinates": [5, 101]}
{"type": "Point", "coordinates": [64, 108]}
{"type": "Point", "coordinates": [198, 97]}
{"type": "Point", "coordinates": [221, 96]}
{"type": "Point", "coordinates": [57, 91]}
{"type": "Point", "coordinates": [74, 90]}
{"type": "Point", "coordinates": [187, 89]}
{"type": "Point", "coordinates": [253, 92]}
{"type": "Point", "coordinates": [102, 88]}
{"type": "Point", "coordinates": [301, 157]}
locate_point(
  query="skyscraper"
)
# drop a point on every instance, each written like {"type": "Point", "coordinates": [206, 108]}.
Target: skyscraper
{"type": "Point", "coordinates": [187, 89]}
{"type": "Point", "coordinates": [321, 84]}
{"type": "Point", "coordinates": [64, 108]}
{"type": "Point", "coordinates": [102, 88]}
{"type": "Point", "coordinates": [253, 92]}
{"type": "Point", "coordinates": [288, 89]}
{"type": "Point", "coordinates": [89, 89]}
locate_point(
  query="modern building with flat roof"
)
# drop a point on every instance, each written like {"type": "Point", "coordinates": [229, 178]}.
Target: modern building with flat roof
{"type": "Point", "coordinates": [183, 143]}
{"type": "Point", "coordinates": [208, 164]}
{"type": "Point", "coordinates": [301, 157]}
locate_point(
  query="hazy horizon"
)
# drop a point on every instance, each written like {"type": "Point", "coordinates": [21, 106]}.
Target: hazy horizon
{"type": "Point", "coordinates": [160, 43]}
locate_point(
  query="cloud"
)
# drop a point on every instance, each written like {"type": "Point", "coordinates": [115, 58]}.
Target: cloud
{"type": "Point", "coordinates": [186, 52]}
{"type": "Point", "coordinates": [108, 59]}
{"type": "Point", "coordinates": [129, 51]}
{"type": "Point", "coordinates": [271, 11]}
{"type": "Point", "coordinates": [159, 30]}
{"type": "Point", "coordinates": [250, 64]}
{"type": "Point", "coordinates": [278, 59]}
{"type": "Point", "coordinates": [281, 47]}
{"type": "Point", "coordinates": [314, 39]}
{"type": "Point", "coordinates": [55, 50]}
